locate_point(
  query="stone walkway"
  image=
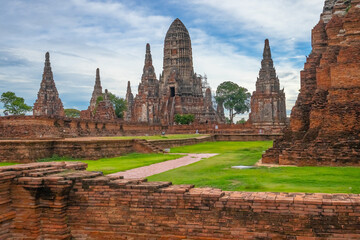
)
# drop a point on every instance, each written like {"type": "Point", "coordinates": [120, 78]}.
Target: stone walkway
{"type": "Point", "coordinates": [156, 168]}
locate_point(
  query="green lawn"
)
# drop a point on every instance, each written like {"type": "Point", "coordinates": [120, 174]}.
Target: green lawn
{"type": "Point", "coordinates": [2, 164]}
{"type": "Point", "coordinates": [122, 163]}
{"type": "Point", "coordinates": [217, 172]}
{"type": "Point", "coordinates": [160, 137]}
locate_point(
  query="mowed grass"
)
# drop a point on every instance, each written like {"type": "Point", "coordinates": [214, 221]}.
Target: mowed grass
{"type": "Point", "coordinates": [122, 163]}
{"type": "Point", "coordinates": [161, 137]}
{"type": "Point", "coordinates": [3, 164]}
{"type": "Point", "coordinates": [217, 172]}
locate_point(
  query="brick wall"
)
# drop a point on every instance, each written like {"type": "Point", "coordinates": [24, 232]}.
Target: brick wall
{"type": "Point", "coordinates": [30, 127]}
{"type": "Point", "coordinates": [181, 142]}
{"type": "Point", "coordinates": [246, 137]}
{"type": "Point", "coordinates": [61, 201]}
{"type": "Point", "coordinates": [217, 137]}
{"type": "Point", "coordinates": [31, 150]}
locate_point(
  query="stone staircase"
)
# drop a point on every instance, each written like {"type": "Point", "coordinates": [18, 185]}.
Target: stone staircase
{"type": "Point", "coordinates": [150, 146]}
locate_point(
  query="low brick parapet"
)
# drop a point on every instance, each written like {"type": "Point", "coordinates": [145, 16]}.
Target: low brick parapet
{"type": "Point", "coordinates": [24, 151]}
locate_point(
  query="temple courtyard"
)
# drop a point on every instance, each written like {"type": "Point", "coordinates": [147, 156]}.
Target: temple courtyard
{"type": "Point", "coordinates": [216, 170]}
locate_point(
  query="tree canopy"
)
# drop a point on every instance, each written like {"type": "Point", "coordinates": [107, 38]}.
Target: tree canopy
{"type": "Point", "coordinates": [119, 104]}
{"type": "Point", "coordinates": [13, 104]}
{"type": "Point", "coordinates": [234, 98]}
{"type": "Point", "coordinates": [72, 113]}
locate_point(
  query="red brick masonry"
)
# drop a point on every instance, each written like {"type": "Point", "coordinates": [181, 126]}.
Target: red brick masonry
{"type": "Point", "coordinates": [62, 201]}
{"type": "Point", "coordinates": [30, 127]}
{"type": "Point", "coordinates": [25, 151]}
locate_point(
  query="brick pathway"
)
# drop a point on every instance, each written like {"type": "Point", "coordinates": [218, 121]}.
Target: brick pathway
{"type": "Point", "coordinates": [156, 168]}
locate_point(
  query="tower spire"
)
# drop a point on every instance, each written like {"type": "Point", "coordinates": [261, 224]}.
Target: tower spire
{"type": "Point", "coordinates": [267, 71]}
{"type": "Point", "coordinates": [148, 57]}
{"type": "Point", "coordinates": [128, 90]}
{"type": "Point", "coordinates": [130, 101]}
{"type": "Point", "coordinates": [97, 75]}
{"type": "Point", "coordinates": [267, 51]}
{"type": "Point", "coordinates": [47, 75]}
{"type": "Point", "coordinates": [97, 90]}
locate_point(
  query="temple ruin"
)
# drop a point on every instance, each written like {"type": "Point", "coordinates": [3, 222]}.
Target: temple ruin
{"type": "Point", "coordinates": [48, 102]}
{"type": "Point", "coordinates": [100, 107]}
{"type": "Point", "coordinates": [178, 90]}
{"type": "Point", "coordinates": [325, 121]}
{"type": "Point", "coordinates": [268, 101]}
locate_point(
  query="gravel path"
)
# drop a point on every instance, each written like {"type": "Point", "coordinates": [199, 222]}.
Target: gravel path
{"type": "Point", "coordinates": [156, 168]}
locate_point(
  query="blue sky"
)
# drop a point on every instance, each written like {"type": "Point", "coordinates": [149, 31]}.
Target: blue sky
{"type": "Point", "coordinates": [82, 35]}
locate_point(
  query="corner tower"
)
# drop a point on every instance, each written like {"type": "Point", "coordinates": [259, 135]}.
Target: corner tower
{"type": "Point", "coordinates": [48, 102]}
{"type": "Point", "coordinates": [268, 101]}
{"type": "Point", "coordinates": [146, 103]}
{"type": "Point", "coordinates": [97, 91]}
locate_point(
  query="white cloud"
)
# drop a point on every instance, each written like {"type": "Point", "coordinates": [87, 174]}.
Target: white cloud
{"type": "Point", "coordinates": [282, 18]}
{"type": "Point", "coordinates": [82, 35]}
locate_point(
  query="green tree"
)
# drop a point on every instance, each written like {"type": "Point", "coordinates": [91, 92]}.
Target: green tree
{"type": "Point", "coordinates": [236, 99]}
{"type": "Point", "coordinates": [119, 104]}
{"type": "Point", "coordinates": [13, 104]}
{"type": "Point", "coordinates": [184, 119]}
{"type": "Point", "coordinates": [72, 113]}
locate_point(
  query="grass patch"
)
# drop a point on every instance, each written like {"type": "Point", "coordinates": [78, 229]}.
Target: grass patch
{"type": "Point", "coordinates": [161, 137]}
{"type": "Point", "coordinates": [2, 164]}
{"type": "Point", "coordinates": [117, 164]}
{"type": "Point", "coordinates": [217, 172]}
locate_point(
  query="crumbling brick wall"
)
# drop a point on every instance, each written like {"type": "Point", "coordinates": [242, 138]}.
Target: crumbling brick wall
{"type": "Point", "coordinates": [325, 121]}
{"type": "Point", "coordinates": [30, 127]}
{"type": "Point", "coordinates": [24, 151]}
{"type": "Point", "coordinates": [62, 201]}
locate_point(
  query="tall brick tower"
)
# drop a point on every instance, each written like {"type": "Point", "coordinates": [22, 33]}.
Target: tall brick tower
{"type": "Point", "coordinates": [97, 91]}
{"type": "Point", "coordinates": [180, 88]}
{"type": "Point", "coordinates": [268, 101]}
{"type": "Point", "coordinates": [130, 102]}
{"type": "Point", "coordinates": [146, 103]}
{"type": "Point", "coordinates": [48, 102]}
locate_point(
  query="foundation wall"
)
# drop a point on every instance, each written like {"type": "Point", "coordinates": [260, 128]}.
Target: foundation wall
{"type": "Point", "coordinates": [24, 151]}
{"type": "Point", "coordinates": [32, 150]}
{"type": "Point", "coordinates": [30, 127]}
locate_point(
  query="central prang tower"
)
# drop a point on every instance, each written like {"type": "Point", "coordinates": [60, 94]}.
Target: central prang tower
{"type": "Point", "coordinates": [178, 91]}
{"type": "Point", "coordinates": [180, 88]}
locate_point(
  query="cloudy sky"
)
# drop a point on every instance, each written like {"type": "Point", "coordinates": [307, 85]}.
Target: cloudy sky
{"type": "Point", "coordinates": [82, 35]}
